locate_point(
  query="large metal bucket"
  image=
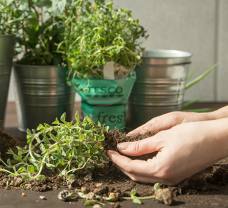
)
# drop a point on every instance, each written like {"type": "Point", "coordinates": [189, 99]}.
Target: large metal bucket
{"type": "Point", "coordinates": [6, 57]}
{"type": "Point", "coordinates": [42, 95]}
{"type": "Point", "coordinates": [159, 86]}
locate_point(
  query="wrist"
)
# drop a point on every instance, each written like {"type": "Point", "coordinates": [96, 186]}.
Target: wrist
{"type": "Point", "coordinates": [220, 113]}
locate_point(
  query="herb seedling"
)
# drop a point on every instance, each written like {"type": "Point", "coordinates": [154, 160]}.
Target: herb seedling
{"type": "Point", "coordinates": [63, 148]}
{"type": "Point", "coordinates": [134, 197]}
{"type": "Point", "coordinates": [164, 195]}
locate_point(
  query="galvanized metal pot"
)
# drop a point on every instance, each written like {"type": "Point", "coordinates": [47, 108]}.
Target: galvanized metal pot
{"type": "Point", "coordinates": [6, 56]}
{"type": "Point", "coordinates": [159, 86]}
{"type": "Point", "coordinates": [42, 95]}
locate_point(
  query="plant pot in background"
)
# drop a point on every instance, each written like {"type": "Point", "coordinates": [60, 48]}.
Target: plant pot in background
{"type": "Point", "coordinates": [105, 100]}
{"type": "Point", "coordinates": [43, 95]}
{"type": "Point", "coordinates": [7, 43]}
{"type": "Point", "coordinates": [160, 85]}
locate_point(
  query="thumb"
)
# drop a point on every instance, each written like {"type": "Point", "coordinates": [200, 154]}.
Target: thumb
{"type": "Point", "coordinates": [141, 147]}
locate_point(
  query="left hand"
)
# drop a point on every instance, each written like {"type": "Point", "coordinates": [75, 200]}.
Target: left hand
{"type": "Point", "coordinates": [181, 152]}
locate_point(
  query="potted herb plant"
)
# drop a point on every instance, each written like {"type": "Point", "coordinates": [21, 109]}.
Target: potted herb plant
{"type": "Point", "coordinates": [9, 17]}
{"type": "Point", "coordinates": [102, 47]}
{"type": "Point", "coordinates": [43, 93]}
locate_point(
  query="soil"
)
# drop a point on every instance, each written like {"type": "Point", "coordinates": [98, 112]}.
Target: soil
{"type": "Point", "coordinates": [6, 142]}
{"type": "Point", "coordinates": [110, 179]}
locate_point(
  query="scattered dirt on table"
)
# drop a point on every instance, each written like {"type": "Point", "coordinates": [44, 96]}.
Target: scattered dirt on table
{"type": "Point", "coordinates": [207, 181]}
{"type": "Point", "coordinates": [49, 183]}
{"type": "Point", "coordinates": [110, 179]}
{"type": "Point", "coordinates": [102, 181]}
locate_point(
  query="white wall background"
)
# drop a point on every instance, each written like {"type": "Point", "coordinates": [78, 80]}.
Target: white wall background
{"type": "Point", "coordinates": [198, 26]}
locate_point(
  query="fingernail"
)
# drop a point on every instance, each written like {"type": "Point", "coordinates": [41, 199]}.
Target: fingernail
{"type": "Point", "coordinates": [122, 146]}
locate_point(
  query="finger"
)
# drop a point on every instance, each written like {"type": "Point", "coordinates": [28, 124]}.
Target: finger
{"type": "Point", "coordinates": [141, 147]}
{"type": "Point", "coordinates": [142, 130]}
{"type": "Point", "coordinates": [136, 167]}
{"type": "Point", "coordinates": [157, 124]}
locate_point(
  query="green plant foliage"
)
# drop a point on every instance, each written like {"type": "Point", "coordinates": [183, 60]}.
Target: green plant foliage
{"type": "Point", "coordinates": [10, 16]}
{"type": "Point", "coordinates": [62, 148]}
{"type": "Point", "coordinates": [97, 33]}
{"type": "Point", "coordinates": [135, 199]}
{"type": "Point", "coordinates": [42, 31]}
{"type": "Point", "coordinates": [200, 77]}
{"type": "Point", "coordinates": [193, 82]}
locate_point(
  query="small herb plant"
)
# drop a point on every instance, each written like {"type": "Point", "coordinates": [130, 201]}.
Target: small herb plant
{"type": "Point", "coordinates": [41, 32]}
{"type": "Point", "coordinates": [97, 33]}
{"type": "Point", "coordinates": [10, 16]}
{"type": "Point", "coordinates": [135, 199]}
{"type": "Point", "coordinates": [63, 148]}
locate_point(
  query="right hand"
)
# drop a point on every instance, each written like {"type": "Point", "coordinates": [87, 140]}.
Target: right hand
{"type": "Point", "coordinates": [168, 121]}
{"type": "Point", "coordinates": [181, 152]}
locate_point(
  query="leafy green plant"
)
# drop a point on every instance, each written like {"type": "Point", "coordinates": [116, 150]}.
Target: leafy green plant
{"type": "Point", "coordinates": [135, 199]}
{"type": "Point", "coordinates": [62, 148]}
{"type": "Point", "coordinates": [164, 195]}
{"type": "Point", "coordinates": [42, 31]}
{"type": "Point", "coordinates": [192, 82]}
{"type": "Point", "coordinates": [97, 33]}
{"type": "Point", "coordinates": [201, 77]}
{"type": "Point", "coordinates": [10, 16]}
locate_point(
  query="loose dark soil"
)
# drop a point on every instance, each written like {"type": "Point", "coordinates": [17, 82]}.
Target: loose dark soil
{"type": "Point", "coordinates": [111, 179]}
{"type": "Point", "coordinates": [6, 142]}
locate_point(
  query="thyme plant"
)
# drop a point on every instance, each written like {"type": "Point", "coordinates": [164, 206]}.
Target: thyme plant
{"type": "Point", "coordinates": [97, 33]}
{"type": "Point", "coordinates": [62, 148]}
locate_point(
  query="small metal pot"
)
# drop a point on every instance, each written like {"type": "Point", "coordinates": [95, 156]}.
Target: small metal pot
{"type": "Point", "coordinates": [42, 95]}
{"type": "Point", "coordinates": [7, 43]}
{"type": "Point", "coordinates": [159, 86]}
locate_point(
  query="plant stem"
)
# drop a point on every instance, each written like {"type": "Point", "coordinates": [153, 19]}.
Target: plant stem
{"type": "Point", "coordinates": [140, 197]}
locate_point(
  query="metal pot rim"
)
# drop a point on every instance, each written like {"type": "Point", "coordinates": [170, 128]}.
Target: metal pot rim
{"type": "Point", "coordinates": [166, 54]}
{"type": "Point", "coordinates": [7, 36]}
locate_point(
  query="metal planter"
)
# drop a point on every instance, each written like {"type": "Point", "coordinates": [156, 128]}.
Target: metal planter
{"type": "Point", "coordinates": [159, 86]}
{"type": "Point", "coordinates": [7, 43]}
{"type": "Point", "coordinates": [42, 95]}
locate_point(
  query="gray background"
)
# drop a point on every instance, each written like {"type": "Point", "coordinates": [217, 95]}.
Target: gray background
{"type": "Point", "coordinates": [198, 26]}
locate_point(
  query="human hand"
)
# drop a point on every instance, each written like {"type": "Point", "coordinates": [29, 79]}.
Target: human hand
{"type": "Point", "coordinates": [167, 121]}
{"type": "Point", "coordinates": [181, 152]}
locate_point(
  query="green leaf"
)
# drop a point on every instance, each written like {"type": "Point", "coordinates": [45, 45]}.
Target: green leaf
{"type": "Point", "coordinates": [63, 117]}
{"type": "Point", "coordinates": [66, 148]}
{"type": "Point", "coordinates": [134, 198]}
{"type": "Point", "coordinates": [200, 77]}
{"type": "Point", "coordinates": [157, 186]}
{"type": "Point", "coordinates": [91, 202]}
